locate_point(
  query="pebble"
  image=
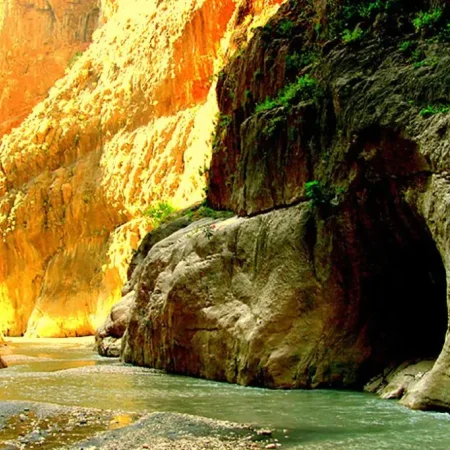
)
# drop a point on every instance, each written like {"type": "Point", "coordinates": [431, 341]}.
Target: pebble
{"type": "Point", "coordinates": [264, 432]}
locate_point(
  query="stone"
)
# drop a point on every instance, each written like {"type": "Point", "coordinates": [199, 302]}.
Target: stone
{"type": "Point", "coordinates": [311, 288]}
{"type": "Point", "coordinates": [264, 432]}
{"type": "Point", "coordinates": [240, 300]}
{"type": "Point", "coordinates": [127, 127]}
{"type": "Point", "coordinates": [396, 382]}
{"type": "Point", "coordinates": [2, 363]}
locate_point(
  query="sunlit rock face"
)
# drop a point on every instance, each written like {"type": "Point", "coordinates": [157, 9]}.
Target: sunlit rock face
{"type": "Point", "coordinates": [37, 41]}
{"type": "Point", "coordinates": [130, 124]}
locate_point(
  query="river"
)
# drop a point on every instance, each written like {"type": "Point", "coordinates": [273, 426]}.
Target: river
{"type": "Point", "coordinates": [69, 372]}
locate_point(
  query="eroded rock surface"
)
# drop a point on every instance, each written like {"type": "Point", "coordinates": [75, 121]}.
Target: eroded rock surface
{"type": "Point", "coordinates": [127, 127]}
{"type": "Point", "coordinates": [108, 337]}
{"type": "Point", "coordinates": [396, 382]}
{"type": "Point", "coordinates": [38, 40]}
{"type": "Point", "coordinates": [354, 278]}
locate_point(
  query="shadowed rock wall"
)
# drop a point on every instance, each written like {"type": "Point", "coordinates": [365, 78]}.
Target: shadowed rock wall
{"type": "Point", "coordinates": [344, 268]}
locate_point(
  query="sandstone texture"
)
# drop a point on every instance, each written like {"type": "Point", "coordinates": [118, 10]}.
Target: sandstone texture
{"type": "Point", "coordinates": [38, 39]}
{"type": "Point", "coordinates": [337, 268]}
{"type": "Point", "coordinates": [127, 127]}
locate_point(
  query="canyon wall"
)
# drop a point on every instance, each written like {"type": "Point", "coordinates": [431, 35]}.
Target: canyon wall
{"type": "Point", "coordinates": [128, 126]}
{"type": "Point", "coordinates": [38, 39]}
{"type": "Point", "coordinates": [332, 146]}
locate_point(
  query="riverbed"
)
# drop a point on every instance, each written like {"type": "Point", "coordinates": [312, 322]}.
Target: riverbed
{"type": "Point", "coordinates": [69, 373]}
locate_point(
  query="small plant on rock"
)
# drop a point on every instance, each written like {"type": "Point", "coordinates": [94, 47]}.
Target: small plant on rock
{"type": "Point", "coordinates": [316, 192]}
{"type": "Point", "coordinates": [427, 20]}
{"type": "Point", "coordinates": [303, 89]}
{"type": "Point", "coordinates": [352, 36]}
{"type": "Point", "coordinates": [432, 110]}
{"type": "Point", "coordinates": [158, 213]}
{"type": "Point", "coordinates": [75, 58]}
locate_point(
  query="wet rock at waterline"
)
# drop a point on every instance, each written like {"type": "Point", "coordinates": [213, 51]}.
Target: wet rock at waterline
{"type": "Point", "coordinates": [2, 363]}
{"type": "Point", "coordinates": [109, 336]}
{"type": "Point", "coordinates": [397, 382]}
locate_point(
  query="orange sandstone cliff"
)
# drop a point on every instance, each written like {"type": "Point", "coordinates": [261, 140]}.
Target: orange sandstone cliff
{"type": "Point", "coordinates": [129, 125]}
{"type": "Point", "coordinates": [38, 39]}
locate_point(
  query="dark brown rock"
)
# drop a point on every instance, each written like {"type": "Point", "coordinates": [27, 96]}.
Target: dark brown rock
{"type": "Point", "coordinates": [339, 268]}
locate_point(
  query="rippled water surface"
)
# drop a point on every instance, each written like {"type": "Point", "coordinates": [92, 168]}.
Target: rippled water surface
{"type": "Point", "coordinates": [70, 373]}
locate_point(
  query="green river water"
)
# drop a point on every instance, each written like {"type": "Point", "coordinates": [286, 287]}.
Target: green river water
{"type": "Point", "coordinates": [73, 374]}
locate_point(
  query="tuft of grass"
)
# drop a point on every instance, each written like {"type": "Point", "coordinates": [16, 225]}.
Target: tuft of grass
{"type": "Point", "coordinates": [304, 88]}
{"type": "Point", "coordinates": [205, 211]}
{"type": "Point", "coordinates": [349, 36]}
{"type": "Point", "coordinates": [431, 110]}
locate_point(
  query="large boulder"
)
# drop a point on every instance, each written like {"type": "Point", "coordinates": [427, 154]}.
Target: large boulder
{"type": "Point", "coordinates": [276, 300]}
{"type": "Point", "coordinates": [108, 336]}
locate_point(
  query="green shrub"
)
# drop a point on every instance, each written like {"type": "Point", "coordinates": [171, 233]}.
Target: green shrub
{"type": "Point", "coordinates": [223, 120]}
{"type": "Point", "coordinates": [407, 46]}
{"type": "Point", "coordinates": [352, 36]}
{"type": "Point", "coordinates": [304, 88]}
{"type": "Point", "coordinates": [297, 61]}
{"type": "Point", "coordinates": [158, 213]}
{"type": "Point", "coordinates": [321, 195]}
{"type": "Point", "coordinates": [316, 192]}
{"type": "Point", "coordinates": [272, 125]}
{"type": "Point", "coordinates": [425, 21]}
{"type": "Point", "coordinates": [364, 9]}
{"type": "Point", "coordinates": [285, 28]}
{"type": "Point", "coordinates": [427, 62]}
